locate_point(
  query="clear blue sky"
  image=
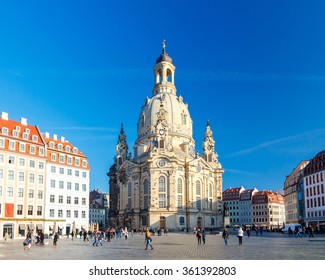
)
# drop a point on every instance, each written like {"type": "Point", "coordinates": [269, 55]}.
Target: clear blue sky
{"type": "Point", "coordinates": [255, 69]}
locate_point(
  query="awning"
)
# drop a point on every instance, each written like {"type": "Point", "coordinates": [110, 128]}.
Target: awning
{"type": "Point", "coordinates": [22, 226]}
{"type": "Point", "coordinates": [39, 226]}
{"type": "Point", "coordinates": [31, 226]}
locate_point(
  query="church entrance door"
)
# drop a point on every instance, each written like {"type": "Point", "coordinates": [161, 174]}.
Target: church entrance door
{"type": "Point", "coordinates": [162, 223]}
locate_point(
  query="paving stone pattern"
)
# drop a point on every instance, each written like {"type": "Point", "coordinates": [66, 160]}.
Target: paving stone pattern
{"type": "Point", "coordinates": [174, 246]}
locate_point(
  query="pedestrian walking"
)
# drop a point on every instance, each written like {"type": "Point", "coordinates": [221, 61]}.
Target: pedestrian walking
{"type": "Point", "coordinates": [55, 240]}
{"type": "Point", "coordinates": [148, 239]}
{"type": "Point", "coordinates": [240, 235]}
{"type": "Point", "coordinates": [72, 235]}
{"type": "Point", "coordinates": [41, 237]}
{"type": "Point", "coordinates": [225, 235]}
{"type": "Point", "coordinates": [95, 240]}
{"type": "Point", "coordinates": [203, 236]}
{"type": "Point", "coordinates": [199, 236]}
{"type": "Point", "coordinates": [248, 231]}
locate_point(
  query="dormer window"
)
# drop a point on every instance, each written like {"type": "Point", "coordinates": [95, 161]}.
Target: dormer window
{"type": "Point", "coordinates": [51, 144]}
{"type": "Point", "coordinates": [27, 130]}
{"type": "Point", "coordinates": [67, 149]}
{"type": "Point", "coordinates": [84, 163]}
{"type": "Point", "coordinates": [75, 150]}
{"type": "Point", "coordinates": [34, 138]}
{"type": "Point", "coordinates": [60, 147]}
{"type": "Point", "coordinates": [25, 135]}
{"type": "Point", "coordinates": [15, 133]}
{"type": "Point", "coordinates": [5, 131]}
{"type": "Point", "coordinates": [18, 128]}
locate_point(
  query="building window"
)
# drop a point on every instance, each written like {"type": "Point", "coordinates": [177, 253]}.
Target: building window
{"type": "Point", "coordinates": [52, 213]}
{"type": "Point", "coordinates": [21, 176]}
{"type": "Point", "coordinates": [76, 200]}
{"type": "Point", "coordinates": [84, 187]}
{"type": "Point", "coordinates": [198, 195]}
{"type": "Point", "coordinates": [40, 194]}
{"type": "Point", "coordinates": [162, 200]}
{"type": "Point", "coordinates": [76, 213]}
{"type": "Point", "coordinates": [52, 198]}
{"type": "Point", "coordinates": [76, 173]}
{"type": "Point", "coordinates": [32, 150]}
{"type": "Point", "coordinates": [162, 184]}
{"type": "Point", "coordinates": [20, 192]}
{"type": "Point", "coordinates": [69, 186]}
{"type": "Point", "coordinates": [84, 201]}
{"type": "Point", "coordinates": [30, 193]}
{"type": "Point", "coordinates": [19, 209]}
{"type": "Point", "coordinates": [39, 211]}
{"type": "Point", "coordinates": [68, 199]}
{"type": "Point", "coordinates": [60, 198]}
{"type": "Point", "coordinates": [21, 162]}
{"type": "Point", "coordinates": [52, 183]}
{"type": "Point", "coordinates": [53, 169]}
{"type": "Point", "coordinates": [11, 160]}
{"type": "Point", "coordinates": [10, 192]}
{"type": "Point", "coordinates": [60, 213]}
{"type": "Point", "coordinates": [30, 210]}
{"type": "Point", "coordinates": [146, 194]}
{"type": "Point", "coordinates": [31, 178]}
{"type": "Point", "coordinates": [68, 213]}
{"type": "Point", "coordinates": [22, 147]}
{"type": "Point", "coordinates": [40, 179]}
{"type": "Point", "coordinates": [181, 221]}
{"type": "Point", "coordinates": [61, 158]}
{"type": "Point", "coordinates": [61, 184]}
{"type": "Point", "coordinates": [83, 214]}
{"type": "Point", "coordinates": [61, 170]}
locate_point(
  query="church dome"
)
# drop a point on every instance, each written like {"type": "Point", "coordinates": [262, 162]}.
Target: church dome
{"type": "Point", "coordinates": [164, 115]}
{"type": "Point", "coordinates": [176, 115]}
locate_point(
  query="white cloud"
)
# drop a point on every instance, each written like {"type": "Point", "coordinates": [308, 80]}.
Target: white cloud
{"type": "Point", "coordinates": [289, 139]}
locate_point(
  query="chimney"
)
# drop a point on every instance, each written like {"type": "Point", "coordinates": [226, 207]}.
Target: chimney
{"type": "Point", "coordinates": [23, 121]}
{"type": "Point", "coordinates": [4, 116]}
{"type": "Point", "coordinates": [47, 135]}
{"type": "Point", "coordinates": [55, 137]}
{"type": "Point", "coordinates": [62, 139]}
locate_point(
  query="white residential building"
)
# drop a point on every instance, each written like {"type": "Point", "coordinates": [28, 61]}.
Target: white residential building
{"type": "Point", "coordinates": [67, 195]}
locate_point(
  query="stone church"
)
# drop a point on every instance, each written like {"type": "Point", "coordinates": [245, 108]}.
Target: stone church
{"type": "Point", "coordinates": [166, 183]}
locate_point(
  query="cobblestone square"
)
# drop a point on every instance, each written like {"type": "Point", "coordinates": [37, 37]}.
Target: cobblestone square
{"type": "Point", "coordinates": [174, 246]}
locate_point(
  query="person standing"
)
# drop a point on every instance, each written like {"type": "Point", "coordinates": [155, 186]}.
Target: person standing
{"type": "Point", "coordinates": [5, 238]}
{"type": "Point", "coordinates": [72, 235]}
{"type": "Point", "coordinates": [55, 240]}
{"type": "Point", "coordinates": [240, 235]}
{"type": "Point", "coordinates": [225, 235]}
{"type": "Point", "coordinates": [148, 239]}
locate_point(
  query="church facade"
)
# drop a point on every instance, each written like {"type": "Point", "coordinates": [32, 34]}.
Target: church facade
{"type": "Point", "coordinates": [166, 183]}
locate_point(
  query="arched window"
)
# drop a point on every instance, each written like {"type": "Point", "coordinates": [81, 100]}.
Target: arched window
{"type": "Point", "coordinates": [212, 221]}
{"type": "Point", "coordinates": [179, 186]}
{"type": "Point", "coordinates": [181, 221]}
{"type": "Point", "coordinates": [198, 194]}
{"type": "Point", "coordinates": [146, 194]}
{"type": "Point", "coordinates": [179, 193]}
{"type": "Point", "coordinates": [162, 184]}
{"type": "Point", "coordinates": [169, 76]}
{"type": "Point", "coordinates": [129, 206]}
{"type": "Point", "coordinates": [162, 197]}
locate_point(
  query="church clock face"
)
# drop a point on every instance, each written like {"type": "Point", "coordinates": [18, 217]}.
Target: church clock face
{"type": "Point", "coordinates": [161, 131]}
